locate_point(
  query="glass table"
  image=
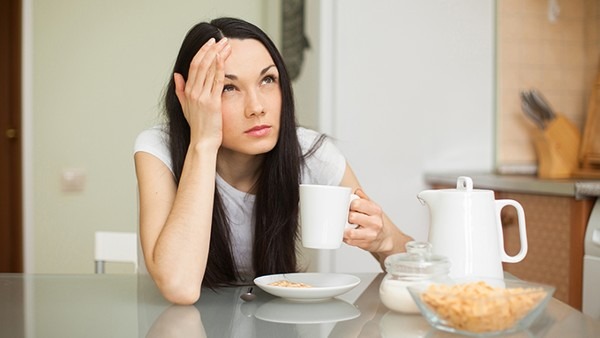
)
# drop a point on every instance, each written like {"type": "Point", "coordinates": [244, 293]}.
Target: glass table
{"type": "Point", "coordinates": [130, 306]}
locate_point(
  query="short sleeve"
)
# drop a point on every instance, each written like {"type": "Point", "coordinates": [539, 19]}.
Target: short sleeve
{"type": "Point", "coordinates": [154, 142]}
{"type": "Point", "coordinates": [326, 165]}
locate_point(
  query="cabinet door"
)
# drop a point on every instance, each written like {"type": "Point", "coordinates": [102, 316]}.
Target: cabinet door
{"type": "Point", "coordinates": [555, 234]}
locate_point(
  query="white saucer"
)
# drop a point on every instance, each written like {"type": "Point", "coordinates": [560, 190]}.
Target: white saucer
{"type": "Point", "coordinates": [323, 285]}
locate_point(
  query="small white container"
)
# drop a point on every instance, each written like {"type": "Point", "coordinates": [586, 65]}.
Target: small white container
{"type": "Point", "coordinates": [415, 267]}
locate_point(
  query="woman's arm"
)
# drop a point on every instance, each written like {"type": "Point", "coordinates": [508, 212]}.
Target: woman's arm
{"type": "Point", "coordinates": [375, 233]}
{"type": "Point", "coordinates": [175, 221]}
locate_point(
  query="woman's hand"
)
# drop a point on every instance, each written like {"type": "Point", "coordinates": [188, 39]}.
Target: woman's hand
{"type": "Point", "coordinates": [371, 233]}
{"type": "Point", "coordinates": [200, 95]}
{"type": "Point", "coordinates": [375, 232]}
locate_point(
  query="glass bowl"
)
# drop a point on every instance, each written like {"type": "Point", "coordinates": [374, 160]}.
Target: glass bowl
{"type": "Point", "coordinates": [482, 306]}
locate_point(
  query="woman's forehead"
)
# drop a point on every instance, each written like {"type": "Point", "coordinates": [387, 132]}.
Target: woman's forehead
{"type": "Point", "coordinates": [247, 55]}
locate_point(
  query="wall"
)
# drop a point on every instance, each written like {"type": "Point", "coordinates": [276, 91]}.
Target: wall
{"type": "Point", "coordinates": [558, 58]}
{"type": "Point", "coordinates": [404, 87]}
{"type": "Point", "coordinates": [97, 72]}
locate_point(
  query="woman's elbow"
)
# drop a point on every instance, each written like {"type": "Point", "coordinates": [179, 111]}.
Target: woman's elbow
{"type": "Point", "coordinates": [179, 291]}
{"type": "Point", "coordinates": [181, 295]}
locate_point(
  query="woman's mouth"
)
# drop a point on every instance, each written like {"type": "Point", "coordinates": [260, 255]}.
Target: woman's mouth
{"type": "Point", "coordinates": [261, 130]}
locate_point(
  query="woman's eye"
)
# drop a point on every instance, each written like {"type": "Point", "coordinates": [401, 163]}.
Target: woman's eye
{"type": "Point", "coordinates": [269, 79]}
{"type": "Point", "coordinates": [228, 88]}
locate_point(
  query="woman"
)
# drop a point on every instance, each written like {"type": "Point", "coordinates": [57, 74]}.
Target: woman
{"type": "Point", "coordinates": [219, 184]}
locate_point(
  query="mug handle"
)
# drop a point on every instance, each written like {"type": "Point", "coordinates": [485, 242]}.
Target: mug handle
{"type": "Point", "coordinates": [500, 204]}
{"type": "Point", "coordinates": [350, 225]}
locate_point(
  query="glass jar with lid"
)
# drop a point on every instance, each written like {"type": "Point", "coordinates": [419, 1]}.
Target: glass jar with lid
{"type": "Point", "coordinates": [415, 267]}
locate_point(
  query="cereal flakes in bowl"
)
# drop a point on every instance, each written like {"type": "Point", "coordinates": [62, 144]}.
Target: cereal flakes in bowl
{"type": "Point", "coordinates": [482, 307]}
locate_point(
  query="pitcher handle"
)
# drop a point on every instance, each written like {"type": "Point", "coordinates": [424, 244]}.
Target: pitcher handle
{"type": "Point", "coordinates": [500, 204]}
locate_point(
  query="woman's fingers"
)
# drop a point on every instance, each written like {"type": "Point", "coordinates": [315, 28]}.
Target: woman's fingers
{"type": "Point", "coordinates": [179, 87]}
{"type": "Point", "coordinates": [202, 89]}
{"type": "Point", "coordinates": [195, 64]}
{"type": "Point", "coordinates": [209, 79]}
{"type": "Point", "coordinates": [367, 235]}
{"type": "Point", "coordinates": [369, 229]}
{"type": "Point", "coordinates": [364, 212]}
{"type": "Point", "coordinates": [369, 218]}
{"type": "Point", "coordinates": [201, 79]}
{"type": "Point", "coordinates": [216, 71]}
{"type": "Point", "coordinates": [218, 82]}
{"type": "Point", "coordinates": [360, 193]}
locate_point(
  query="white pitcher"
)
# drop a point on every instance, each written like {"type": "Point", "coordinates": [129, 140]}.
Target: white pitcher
{"type": "Point", "coordinates": [465, 227]}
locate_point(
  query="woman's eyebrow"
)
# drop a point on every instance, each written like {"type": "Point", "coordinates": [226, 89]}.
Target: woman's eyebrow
{"type": "Point", "coordinates": [262, 72]}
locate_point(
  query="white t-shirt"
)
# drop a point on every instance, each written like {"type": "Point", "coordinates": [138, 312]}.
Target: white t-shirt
{"type": "Point", "coordinates": [325, 166]}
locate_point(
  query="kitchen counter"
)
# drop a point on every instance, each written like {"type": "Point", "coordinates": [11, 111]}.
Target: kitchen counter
{"type": "Point", "coordinates": [578, 188]}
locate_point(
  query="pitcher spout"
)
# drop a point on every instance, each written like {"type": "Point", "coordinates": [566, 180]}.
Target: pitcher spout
{"type": "Point", "coordinates": [426, 196]}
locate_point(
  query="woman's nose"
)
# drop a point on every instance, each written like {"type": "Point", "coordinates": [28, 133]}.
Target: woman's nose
{"type": "Point", "coordinates": [253, 105]}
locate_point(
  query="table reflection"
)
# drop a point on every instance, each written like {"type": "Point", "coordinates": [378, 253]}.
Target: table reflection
{"type": "Point", "coordinates": [222, 313]}
{"type": "Point", "coordinates": [289, 312]}
{"type": "Point", "coordinates": [413, 325]}
{"type": "Point", "coordinates": [178, 321]}
{"type": "Point", "coordinates": [130, 306]}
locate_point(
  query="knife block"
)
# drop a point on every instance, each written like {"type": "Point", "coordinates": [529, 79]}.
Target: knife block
{"type": "Point", "coordinates": [557, 148]}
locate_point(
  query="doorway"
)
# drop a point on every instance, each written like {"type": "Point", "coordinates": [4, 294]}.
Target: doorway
{"type": "Point", "coordinates": [11, 208]}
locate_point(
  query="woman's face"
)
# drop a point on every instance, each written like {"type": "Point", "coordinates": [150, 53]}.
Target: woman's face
{"type": "Point", "coordinates": [251, 99]}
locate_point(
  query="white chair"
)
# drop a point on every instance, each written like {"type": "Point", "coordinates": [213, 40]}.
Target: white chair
{"type": "Point", "coordinates": [118, 247]}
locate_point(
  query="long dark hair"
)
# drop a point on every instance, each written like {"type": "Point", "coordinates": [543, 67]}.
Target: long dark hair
{"type": "Point", "coordinates": [277, 188]}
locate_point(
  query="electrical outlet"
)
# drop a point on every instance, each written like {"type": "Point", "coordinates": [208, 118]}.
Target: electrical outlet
{"type": "Point", "coordinates": [72, 180]}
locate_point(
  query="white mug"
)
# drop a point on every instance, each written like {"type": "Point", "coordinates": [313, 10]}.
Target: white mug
{"type": "Point", "coordinates": [324, 215]}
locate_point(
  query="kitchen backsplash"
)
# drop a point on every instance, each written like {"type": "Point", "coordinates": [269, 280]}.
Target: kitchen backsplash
{"type": "Point", "coordinates": [560, 58]}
